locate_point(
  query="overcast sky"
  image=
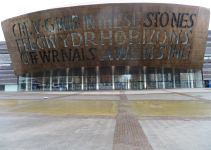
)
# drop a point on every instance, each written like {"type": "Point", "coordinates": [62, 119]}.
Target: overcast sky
{"type": "Point", "coordinates": [12, 8]}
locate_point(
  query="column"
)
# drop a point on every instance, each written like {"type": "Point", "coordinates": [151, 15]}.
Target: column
{"type": "Point", "coordinates": [128, 79]}
{"type": "Point", "coordinates": [19, 83]}
{"type": "Point", "coordinates": [179, 78]}
{"type": "Point", "coordinates": [191, 78]}
{"type": "Point", "coordinates": [156, 77]}
{"type": "Point", "coordinates": [163, 76]}
{"type": "Point", "coordinates": [113, 87]}
{"type": "Point", "coordinates": [82, 76]}
{"type": "Point", "coordinates": [86, 83]}
{"type": "Point", "coordinates": [188, 80]}
{"type": "Point", "coordinates": [72, 78]}
{"type": "Point", "coordinates": [26, 78]}
{"type": "Point", "coordinates": [145, 78]}
{"type": "Point", "coordinates": [58, 77]}
{"type": "Point", "coordinates": [43, 81]}
{"type": "Point", "coordinates": [174, 83]}
{"type": "Point", "coordinates": [198, 78]}
{"type": "Point", "coordinates": [97, 78]}
{"type": "Point", "coordinates": [140, 79]}
{"type": "Point", "coordinates": [31, 81]}
{"type": "Point", "coordinates": [51, 80]}
{"type": "Point", "coordinates": [67, 73]}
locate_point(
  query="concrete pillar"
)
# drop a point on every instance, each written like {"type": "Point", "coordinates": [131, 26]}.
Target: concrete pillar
{"type": "Point", "coordinates": [145, 78]}
{"type": "Point", "coordinates": [179, 79]}
{"type": "Point", "coordinates": [156, 77]}
{"type": "Point", "coordinates": [128, 79]}
{"type": "Point", "coordinates": [97, 78]}
{"type": "Point", "coordinates": [58, 81]}
{"type": "Point", "coordinates": [51, 80]}
{"type": "Point", "coordinates": [43, 81]}
{"type": "Point", "coordinates": [72, 81]}
{"type": "Point", "coordinates": [26, 78]}
{"type": "Point", "coordinates": [163, 76]}
{"type": "Point", "coordinates": [198, 78]}
{"type": "Point", "coordinates": [19, 83]}
{"type": "Point", "coordinates": [113, 87]}
{"type": "Point", "coordinates": [140, 79]}
{"type": "Point", "coordinates": [188, 79]}
{"type": "Point", "coordinates": [31, 81]}
{"type": "Point", "coordinates": [82, 78]}
{"type": "Point", "coordinates": [86, 83]}
{"type": "Point", "coordinates": [67, 73]}
{"type": "Point", "coordinates": [174, 83]}
{"type": "Point", "coordinates": [191, 78]}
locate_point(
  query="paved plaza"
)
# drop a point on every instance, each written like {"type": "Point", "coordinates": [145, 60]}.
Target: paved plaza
{"type": "Point", "coordinates": [163, 119]}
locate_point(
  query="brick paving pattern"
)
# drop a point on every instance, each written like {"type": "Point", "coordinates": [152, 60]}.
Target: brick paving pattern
{"type": "Point", "coordinates": [128, 132]}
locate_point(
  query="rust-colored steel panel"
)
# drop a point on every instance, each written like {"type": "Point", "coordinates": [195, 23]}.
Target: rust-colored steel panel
{"type": "Point", "coordinates": [154, 35]}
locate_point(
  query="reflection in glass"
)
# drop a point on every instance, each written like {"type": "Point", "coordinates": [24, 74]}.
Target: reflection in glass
{"type": "Point", "coordinates": [124, 78]}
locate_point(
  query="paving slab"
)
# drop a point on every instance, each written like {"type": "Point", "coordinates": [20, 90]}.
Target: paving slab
{"type": "Point", "coordinates": [160, 96]}
{"type": "Point", "coordinates": [71, 107]}
{"type": "Point", "coordinates": [149, 91]}
{"type": "Point", "coordinates": [8, 103]}
{"type": "Point", "coordinates": [60, 92]}
{"type": "Point", "coordinates": [29, 96]}
{"type": "Point", "coordinates": [106, 120]}
{"type": "Point", "coordinates": [204, 95]}
{"type": "Point", "coordinates": [171, 108]}
{"type": "Point", "coordinates": [177, 134]}
{"type": "Point", "coordinates": [107, 92]}
{"type": "Point", "coordinates": [56, 133]}
{"type": "Point", "coordinates": [90, 97]}
{"type": "Point", "coordinates": [189, 90]}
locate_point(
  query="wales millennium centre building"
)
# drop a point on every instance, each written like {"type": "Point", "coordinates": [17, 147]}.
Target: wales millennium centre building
{"type": "Point", "coordinates": [109, 47]}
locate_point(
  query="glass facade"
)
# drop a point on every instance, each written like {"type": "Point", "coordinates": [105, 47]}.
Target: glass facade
{"type": "Point", "coordinates": [110, 78]}
{"type": "Point", "coordinates": [7, 75]}
{"type": "Point", "coordinates": [2, 87]}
